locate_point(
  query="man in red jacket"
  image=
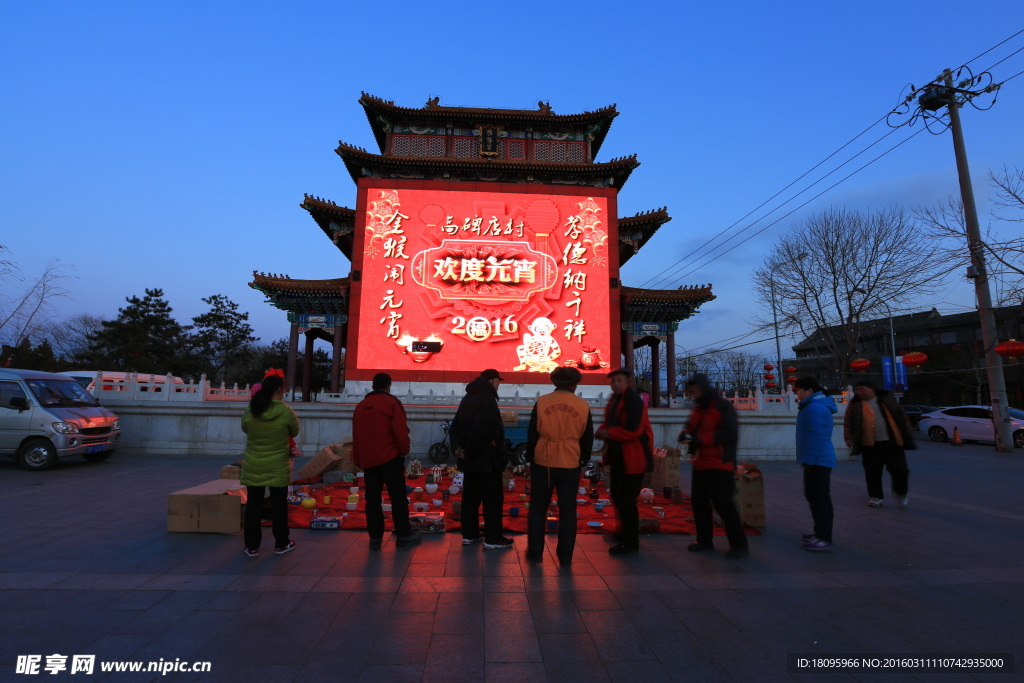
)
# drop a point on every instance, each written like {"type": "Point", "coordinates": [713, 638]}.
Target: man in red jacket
{"type": "Point", "coordinates": [380, 442]}
{"type": "Point", "coordinates": [629, 452]}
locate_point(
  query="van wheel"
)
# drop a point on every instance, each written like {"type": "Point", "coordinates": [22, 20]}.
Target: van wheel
{"type": "Point", "coordinates": [1018, 438]}
{"type": "Point", "coordinates": [97, 457]}
{"type": "Point", "coordinates": [37, 454]}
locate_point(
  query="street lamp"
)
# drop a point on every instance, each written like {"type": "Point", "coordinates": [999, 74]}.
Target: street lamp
{"type": "Point", "coordinates": [775, 318]}
{"type": "Point", "coordinates": [892, 334]}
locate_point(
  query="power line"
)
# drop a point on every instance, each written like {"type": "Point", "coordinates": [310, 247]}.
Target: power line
{"type": "Point", "coordinates": [707, 263]}
{"type": "Point", "coordinates": [742, 218]}
{"type": "Point", "coordinates": [1004, 59]}
{"type": "Point", "coordinates": [994, 47]}
{"type": "Point", "coordinates": [691, 258]}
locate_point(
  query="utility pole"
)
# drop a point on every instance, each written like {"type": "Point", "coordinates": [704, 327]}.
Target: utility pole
{"type": "Point", "coordinates": [989, 333]}
{"type": "Point", "coordinates": [924, 103]}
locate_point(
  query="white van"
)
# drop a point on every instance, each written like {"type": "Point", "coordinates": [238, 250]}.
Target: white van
{"type": "Point", "coordinates": [116, 381]}
{"type": "Point", "coordinates": [46, 416]}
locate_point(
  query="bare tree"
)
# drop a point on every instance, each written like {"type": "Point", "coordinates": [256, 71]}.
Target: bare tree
{"type": "Point", "coordinates": [70, 337]}
{"type": "Point", "coordinates": [842, 266]}
{"type": "Point", "coordinates": [27, 304]}
{"type": "Point", "coordinates": [741, 372]}
{"type": "Point", "coordinates": [1005, 254]}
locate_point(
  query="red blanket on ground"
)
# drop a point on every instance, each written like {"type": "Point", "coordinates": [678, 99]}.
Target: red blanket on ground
{"type": "Point", "coordinates": [678, 517]}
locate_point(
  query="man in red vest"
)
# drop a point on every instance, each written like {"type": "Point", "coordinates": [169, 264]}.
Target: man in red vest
{"type": "Point", "coordinates": [629, 452]}
{"type": "Point", "coordinates": [714, 430]}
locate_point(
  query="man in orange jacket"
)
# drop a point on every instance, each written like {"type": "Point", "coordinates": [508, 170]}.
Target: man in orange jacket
{"type": "Point", "coordinates": [629, 452]}
{"type": "Point", "coordinates": [559, 441]}
{"type": "Point", "coordinates": [380, 442]}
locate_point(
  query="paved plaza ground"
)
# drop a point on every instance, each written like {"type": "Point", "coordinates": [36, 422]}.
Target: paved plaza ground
{"type": "Point", "coordinates": [87, 566]}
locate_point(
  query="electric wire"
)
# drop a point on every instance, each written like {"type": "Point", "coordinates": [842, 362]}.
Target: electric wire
{"type": "Point", "coordinates": [780, 218]}
{"type": "Point", "coordinates": [691, 258]}
{"type": "Point", "coordinates": [755, 209]}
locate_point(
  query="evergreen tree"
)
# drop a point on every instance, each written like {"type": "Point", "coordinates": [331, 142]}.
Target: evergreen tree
{"type": "Point", "coordinates": [224, 339]}
{"type": "Point", "coordinates": [144, 338]}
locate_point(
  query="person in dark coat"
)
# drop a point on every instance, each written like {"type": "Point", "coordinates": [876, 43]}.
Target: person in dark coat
{"type": "Point", "coordinates": [380, 442]}
{"type": "Point", "coordinates": [478, 438]}
{"type": "Point", "coordinates": [714, 431]}
{"type": "Point", "coordinates": [876, 428]}
{"type": "Point", "coordinates": [629, 453]}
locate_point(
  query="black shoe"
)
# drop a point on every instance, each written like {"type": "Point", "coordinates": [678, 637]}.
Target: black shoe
{"type": "Point", "coordinates": [737, 554]}
{"type": "Point", "coordinates": [532, 556]}
{"type": "Point", "coordinates": [697, 546]}
{"type": "Point", "coordinates": [412, 539]}
{"type": "Point", "coordinates": [565, 560]}
{"type": "Point", "coordinates": [375, 543]}
{"type": "Point", "coordinates": [623, 549]}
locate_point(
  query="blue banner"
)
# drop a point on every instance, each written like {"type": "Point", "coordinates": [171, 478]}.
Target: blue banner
{"type": "Point", "coordinates": [901, 374]}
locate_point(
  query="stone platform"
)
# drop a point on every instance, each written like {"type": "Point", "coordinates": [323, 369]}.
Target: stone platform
{"type": "Point", "coordinates": [87, 567]}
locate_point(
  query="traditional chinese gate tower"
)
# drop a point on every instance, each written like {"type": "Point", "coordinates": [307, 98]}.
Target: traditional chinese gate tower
{"type": "Point", "coordinates": [481, 238]}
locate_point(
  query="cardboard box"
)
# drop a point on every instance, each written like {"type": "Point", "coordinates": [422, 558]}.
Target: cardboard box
{"type": "Point", "coordinates": [213, 508]}
{"type": "Point", "coordinates": [428, 522]}
{"type": "Point", "coordinates": [231, 472]}
{"type": "Point", "coordinates": [334, 476]}
{"type": "Point", "coordinates": [335, 456]}
{"type": "Point", "coordinates": [750, 494]}
{"type": "Point", "coordinates": [667, 461]}
{"type": "Point", "coordinates": [510, 418]}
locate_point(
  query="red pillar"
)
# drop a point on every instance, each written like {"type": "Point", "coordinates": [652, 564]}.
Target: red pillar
{"type": "Point", "coordinates": [671, 362]}
{"type": "Point", "coordinates": [627, 346]}
{"type": "Point", "coordinates": [291, 378]}
{"type": "Point", "coordinates": [336, 359]}
{"type": "Point", "coordinates": [307, 368]}
{"type": "Point", "coordinates": [655, 374]}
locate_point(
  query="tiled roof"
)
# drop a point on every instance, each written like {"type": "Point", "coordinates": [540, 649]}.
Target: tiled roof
{"type": "Point", "coordinates": [337, 222]}
{"type": "Point", "coordinates": [356, 159]}
{"type": "Point", "coordinates": [644, 224]}
{"type": "Point", "coordinates": [381, 112]}
{"type": "Point", "coordinates": [691, 294]}
{"type": "Point", "coordinates": [284, 285]}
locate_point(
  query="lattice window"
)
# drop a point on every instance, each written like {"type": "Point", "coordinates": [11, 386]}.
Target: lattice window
{"type": "Point", "coordinates": [417, 145]}
{"type": "Point", "coordinates": [544, 150]}
{"type": "Point", "coordinates": [466, 148]}
{"type": "Point", "coordinates": [513, 149]}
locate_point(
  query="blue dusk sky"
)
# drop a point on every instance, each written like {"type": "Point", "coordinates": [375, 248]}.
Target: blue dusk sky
{"type": "Point", "coordinates": [160, 144]}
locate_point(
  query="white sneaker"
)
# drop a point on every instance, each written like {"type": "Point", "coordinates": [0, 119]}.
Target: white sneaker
{"type": "Point", "coordinates": [875, 503]}
{"type": "Point", "coordinates": [904, 501]}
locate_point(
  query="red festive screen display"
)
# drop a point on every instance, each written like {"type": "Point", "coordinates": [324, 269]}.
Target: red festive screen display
{"type": "Point", "coordinates": [456, 281]}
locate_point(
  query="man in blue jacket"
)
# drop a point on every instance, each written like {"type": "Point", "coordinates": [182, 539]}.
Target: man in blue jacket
{"type": "Point", "coordinates": [817, 455]}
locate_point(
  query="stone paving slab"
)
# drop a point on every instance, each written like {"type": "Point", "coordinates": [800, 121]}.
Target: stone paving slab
{"type": "Point", "coordinates": [88, 568]}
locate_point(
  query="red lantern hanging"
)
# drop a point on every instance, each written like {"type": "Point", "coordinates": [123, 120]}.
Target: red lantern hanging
{"type": "Point", "coordinates": [790, 370]}
{"type": "Point", "coordinates": [1011, 349]}
{"type": "Point", "coordinates": [769, 376]}
{"type": "Point", "coordinates": [768, 367]}
{"type": "Point", "coordinates": [792, 380]}
{"type": "Point", "coordinates": [860, 364]}
{"type": "Point", "coordinates": [770, 385]}
{"type": "Point", "coordinates": [914, 358]}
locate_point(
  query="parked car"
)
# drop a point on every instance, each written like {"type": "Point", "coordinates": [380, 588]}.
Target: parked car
{"type": "Point", "coordinates": [973, 422]}
{"type": "Point", "coordinates": [914, 413]}
{"type": "Point", "coordinates": [45, 416]}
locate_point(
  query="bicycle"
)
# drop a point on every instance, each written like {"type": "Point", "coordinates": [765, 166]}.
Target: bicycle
{"type": "Point", "coordinates": [440, 451]}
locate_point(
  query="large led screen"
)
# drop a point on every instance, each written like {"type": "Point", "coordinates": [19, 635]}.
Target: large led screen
{"type": "Point", "coordinates": [463, 281]}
